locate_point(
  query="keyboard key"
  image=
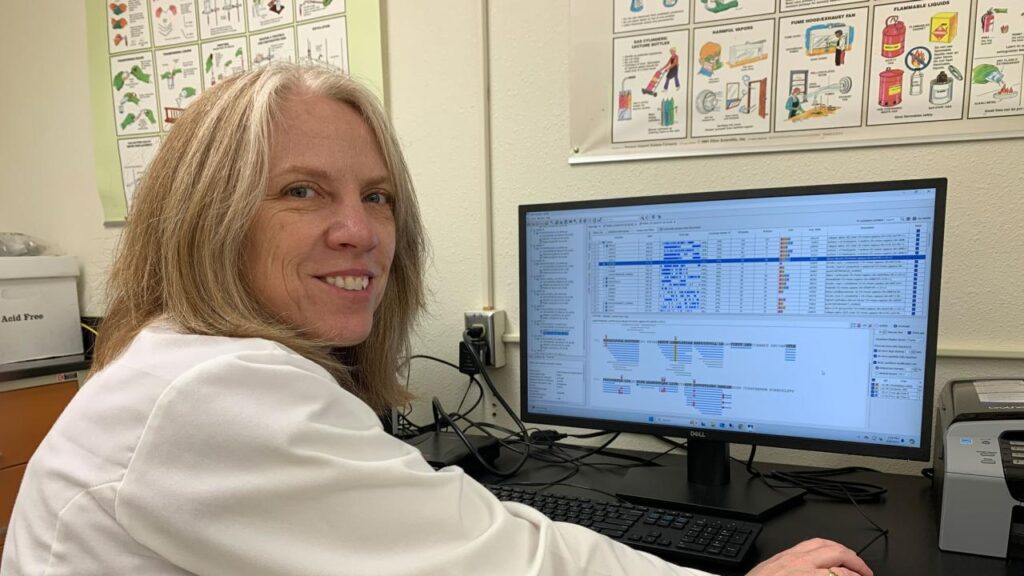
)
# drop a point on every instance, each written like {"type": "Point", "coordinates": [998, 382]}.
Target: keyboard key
{"type": "Point", "coordinates": [675, 535]}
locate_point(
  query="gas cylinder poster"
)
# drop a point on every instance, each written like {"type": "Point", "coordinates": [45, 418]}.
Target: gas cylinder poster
{"type": "Point", "coordinates": [651, 86]}
{"type": "Point", "coordinates": [151, 59]}
{"type": "Point", "coordinates": [663, 78]}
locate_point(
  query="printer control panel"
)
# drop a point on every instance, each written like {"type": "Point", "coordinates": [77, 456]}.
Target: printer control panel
{"type": "Point", "coordinates": [1011, 448]}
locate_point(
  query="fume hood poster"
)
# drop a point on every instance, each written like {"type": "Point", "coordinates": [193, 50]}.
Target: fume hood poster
{"type": "Point", "coordinates": [650, 103]}
{"type": "Point", "coordinates": [732, 75]}
{"type": "Point", "coordinates": [793, 75]}
{"type": "Point", "coordinates": [149, 60]}
{"type": "Point", "coordinates": [821, 71]}
{"type": "Point", "coordinates": [918, 62]}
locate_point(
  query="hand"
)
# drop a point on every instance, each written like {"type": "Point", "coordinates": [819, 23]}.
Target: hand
{"type": "Point", "coordinates": [815, 557]}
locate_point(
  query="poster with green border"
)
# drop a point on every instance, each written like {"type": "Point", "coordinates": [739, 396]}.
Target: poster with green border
{"type": "Point", "coordinates": [149, 59]}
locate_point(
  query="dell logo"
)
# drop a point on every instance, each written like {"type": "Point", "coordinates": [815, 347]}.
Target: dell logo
{"type": "Point", "coordinates": [697, 434]}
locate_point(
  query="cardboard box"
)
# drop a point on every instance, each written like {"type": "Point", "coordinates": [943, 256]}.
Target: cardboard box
{"type": "Point", "coordinates": [38, 308]}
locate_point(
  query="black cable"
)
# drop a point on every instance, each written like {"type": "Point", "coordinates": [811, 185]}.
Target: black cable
{"type": "Point", "coordinates": [638, 461]}
{"type": "Point", "coordinates": [480, 365]}
{"type": "Point", "coordinates": [403, 416]}
{"type": "Point", "coordinates": [817, 481]}
{"type": "Point", "coordinates": [546, 485]}
{"type": "Point", "coordinates": [439, 412]}
{"type": "Point", "coordinates": [814, 481]}
{"type": "Point", "coordinates": [680, 445]}
{"type": "Point", "coordinates": [592, 434]}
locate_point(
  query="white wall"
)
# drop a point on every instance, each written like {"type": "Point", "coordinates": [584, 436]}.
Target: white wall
{"type": "Point", "coordinates": [436, 56]}
{"type": "Point", "coordinates": [47, 174]}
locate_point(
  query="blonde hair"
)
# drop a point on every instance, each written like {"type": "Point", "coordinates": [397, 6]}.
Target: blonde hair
{"type": "Point", "coordinates": [182, 254]}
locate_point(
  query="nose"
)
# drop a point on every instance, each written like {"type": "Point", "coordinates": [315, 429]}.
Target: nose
{"type": "Point", "coordinates": [351, 226]}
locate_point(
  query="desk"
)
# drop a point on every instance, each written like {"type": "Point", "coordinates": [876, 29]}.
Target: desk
{"type": "Point", "coordinates": [907, 512]}
{"type": "Point", "coordinates": [32, 396]}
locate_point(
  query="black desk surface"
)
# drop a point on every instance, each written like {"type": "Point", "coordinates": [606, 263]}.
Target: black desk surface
{"type": "Point", "coordinates": [907, 512]}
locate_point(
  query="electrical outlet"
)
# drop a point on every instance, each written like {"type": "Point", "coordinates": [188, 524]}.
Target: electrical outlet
{"type": "Point", "coordinates": [493, 323]}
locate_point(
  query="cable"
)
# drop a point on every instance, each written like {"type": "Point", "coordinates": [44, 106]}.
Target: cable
{"type": "Point", "coordinates": [546, 485]}
{"type": "Point", "coordinates": [480, 365]}
{"type": "Point", "coordinates": [440, 413]}
{"type": "Point", "coordinates": [814, 482]}
{"type": "Point", "coordinates": [408, 428]}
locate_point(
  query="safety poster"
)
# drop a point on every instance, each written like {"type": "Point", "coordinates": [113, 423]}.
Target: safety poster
{"type": "Point", "coordinates": [660, 78]}
{"type": "Point", "coordinates": [150, 59]}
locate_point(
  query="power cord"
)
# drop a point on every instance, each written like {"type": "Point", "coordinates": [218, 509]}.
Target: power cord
{"type": "Point", "coordinates": [473, 340]}
{"type": "Point", "coordinates": [409, 429]}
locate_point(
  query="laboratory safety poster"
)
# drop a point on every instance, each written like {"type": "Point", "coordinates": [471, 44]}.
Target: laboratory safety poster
{"type": "Point", "coordinates": [664, 78]}
{"type": "Point", "coordinates": [149, 60]}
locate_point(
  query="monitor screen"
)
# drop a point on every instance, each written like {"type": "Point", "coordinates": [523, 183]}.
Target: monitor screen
{"type": "Point", "coordinates": [794, 317]}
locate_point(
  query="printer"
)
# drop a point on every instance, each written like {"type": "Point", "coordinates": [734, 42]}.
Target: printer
{"type": "Point", "coordinates": [979, 467]}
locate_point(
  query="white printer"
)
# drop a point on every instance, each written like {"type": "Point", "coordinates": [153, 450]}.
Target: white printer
{"type": "Point", "coordinates": [979, 467]}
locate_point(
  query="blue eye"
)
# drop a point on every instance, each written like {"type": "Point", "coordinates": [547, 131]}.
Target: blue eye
{"type": "Point", "coordinates": [377, 198]}
{"type": "Point", "coordinates": [301, 192]}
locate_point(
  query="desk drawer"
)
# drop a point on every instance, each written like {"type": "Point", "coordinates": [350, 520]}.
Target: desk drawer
{"type": "Point", "coordinates": [26, 415]}
{"type": "Point", "coordinates": [10, 480]}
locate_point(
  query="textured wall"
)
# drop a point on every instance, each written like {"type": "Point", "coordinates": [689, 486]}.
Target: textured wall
{"type": "Point", "coordinates": [47, 178]}
{"type": "Point", "coordinates": [983, 266]}
{"type": "Point", "coordinates": [435, 55]}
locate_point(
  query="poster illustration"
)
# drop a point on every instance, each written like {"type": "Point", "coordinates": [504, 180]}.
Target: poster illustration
{"type": "Point", "coordinates": [770, 75]}
{"type": "Point", "coordinates": [651, 101]}
{"type": "Point", "coordinates": [821, 70]}
{"type": "Point", "coordinates": [636, 15]}
{"type": "Point", "coordinates": [918, 61]}
{"type": "Point", "coordinates": [732, 78]}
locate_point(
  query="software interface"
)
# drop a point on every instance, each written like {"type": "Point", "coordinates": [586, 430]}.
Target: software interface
{"type": "Point", "coordinates": [800, 316]}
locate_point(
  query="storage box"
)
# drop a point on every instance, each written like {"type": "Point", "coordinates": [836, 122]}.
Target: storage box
{"type": "Point", "coordinates": [38, 308]}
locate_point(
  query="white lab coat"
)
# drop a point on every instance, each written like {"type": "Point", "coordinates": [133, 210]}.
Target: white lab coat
{"type": "Point", "coordinates": [217, 456]}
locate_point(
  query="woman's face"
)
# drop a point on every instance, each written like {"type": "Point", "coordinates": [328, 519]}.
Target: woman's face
{"type": "Point", "coordinates": [322, 243]}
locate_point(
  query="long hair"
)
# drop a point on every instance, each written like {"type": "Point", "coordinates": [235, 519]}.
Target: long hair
{"type": "Point", "coordinates": [182, 254]}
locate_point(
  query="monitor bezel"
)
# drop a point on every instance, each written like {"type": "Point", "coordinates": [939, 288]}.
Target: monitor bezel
{"type": "Point", "coordinates": [918, 453]}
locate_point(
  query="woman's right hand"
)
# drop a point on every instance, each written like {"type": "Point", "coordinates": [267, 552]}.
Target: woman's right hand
{"type": "Point", "coordinates": [815, 557]}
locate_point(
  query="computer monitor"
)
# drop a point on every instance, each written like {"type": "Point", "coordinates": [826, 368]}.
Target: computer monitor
{"type": "Point", "coordinates": [801, 317]}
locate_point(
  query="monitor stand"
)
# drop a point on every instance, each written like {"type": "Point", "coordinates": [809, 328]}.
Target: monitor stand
{"type": "Point", "coordinates": [702, 484]}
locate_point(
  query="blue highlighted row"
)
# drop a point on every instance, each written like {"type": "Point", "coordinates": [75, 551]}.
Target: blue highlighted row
{"type": "Point", "coordinates": [760, 260]}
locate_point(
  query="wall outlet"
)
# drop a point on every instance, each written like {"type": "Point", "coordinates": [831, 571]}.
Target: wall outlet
{"type": "Point", "coordinates": [493, 323]}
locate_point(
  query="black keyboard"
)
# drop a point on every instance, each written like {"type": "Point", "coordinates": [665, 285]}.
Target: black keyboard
{"type": "Point", "coordinates": [671, 534]}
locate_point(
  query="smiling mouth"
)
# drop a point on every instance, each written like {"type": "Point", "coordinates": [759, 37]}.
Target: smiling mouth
{"type": "Point", "coordinates": [350, 283]}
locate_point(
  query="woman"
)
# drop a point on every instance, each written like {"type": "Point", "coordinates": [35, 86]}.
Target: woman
{"type": "Point", "coordinates": [276, 223]}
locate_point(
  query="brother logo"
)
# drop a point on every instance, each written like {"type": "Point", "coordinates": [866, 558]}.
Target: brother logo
{"type": "Point", "coordinates": [697, 434]}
